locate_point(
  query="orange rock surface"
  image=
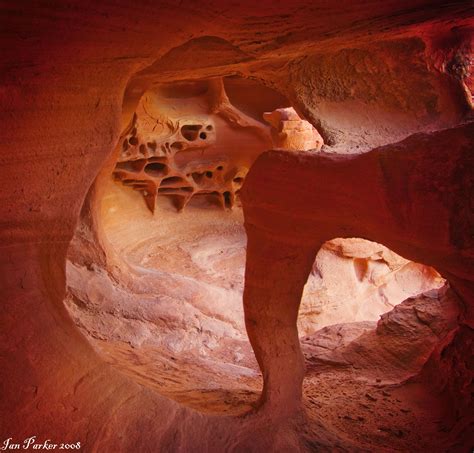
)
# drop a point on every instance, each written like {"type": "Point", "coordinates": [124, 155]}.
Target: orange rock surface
{"type": "Point", "coordinates": [390, 79]}
{"type": "Point", "coordinates": [353, 196]}
{"type": "Point", "coordinates": [181, 146]}
{"type": "Point", "coordinates": [290, 132]}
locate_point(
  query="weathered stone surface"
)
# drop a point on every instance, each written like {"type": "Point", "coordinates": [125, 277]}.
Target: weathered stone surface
{"type": "Point", "coordinates": [358, 280]}
{"type": "Point", "coordinates": [72, 76]}
{"type": "Point", "coordinates": [180, 145]}
{"type": "Point", "coordinates": [290, 132]}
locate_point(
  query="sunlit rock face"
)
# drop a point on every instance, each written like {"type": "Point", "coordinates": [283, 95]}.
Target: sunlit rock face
{"type": "Point", "coordinates": [290, 132]}
{"type": "Point", "coordinates": [362, 205]}
{"type": "Point", "coordinates": [123, 347]}
{"type": "Point", "coordinates": [358, 280]}
{"type": "Point", "coordinates": [178, 324]}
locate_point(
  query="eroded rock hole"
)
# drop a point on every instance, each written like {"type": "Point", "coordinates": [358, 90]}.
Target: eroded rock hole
{"type": "Point", "coordinates": [227, 199]}
{"type": "Point", "coordinates": [185, 307]}
{"type": "Point", "coordinates": [172, 181]}
{"type": "Point", "coordinates": [156, 169]}
{"type": "Point", "coordinates": [177, 146]}
{"type": "Point", "coordinates": [355, 280]}
{"type": "Point", "coordinates": [195, 146]}
{"type": "Point", "coordinates": [191, 131]}
{"type": "Point", "coordinates": [197, 177]}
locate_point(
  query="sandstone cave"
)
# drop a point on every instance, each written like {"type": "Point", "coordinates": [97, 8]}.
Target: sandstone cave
{"type": "Point", "coordinates": [237, 227]}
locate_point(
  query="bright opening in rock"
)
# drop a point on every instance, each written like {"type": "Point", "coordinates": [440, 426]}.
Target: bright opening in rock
{"type": "Point", "coordinates": [169, 313]}
{"type": "Point", "coordinates": [176, 322]}
{"type": "Point", "coordinates": [204, 214]}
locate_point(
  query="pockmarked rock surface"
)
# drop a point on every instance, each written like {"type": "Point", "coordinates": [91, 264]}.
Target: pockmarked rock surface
{"type": "Point", "coordinates": [92, 347]}
{"type": "Point", "coordinates": [182, 142]}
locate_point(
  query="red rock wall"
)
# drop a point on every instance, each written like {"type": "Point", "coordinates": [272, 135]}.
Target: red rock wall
{"type": "Point", "coordinates": [65, 69]}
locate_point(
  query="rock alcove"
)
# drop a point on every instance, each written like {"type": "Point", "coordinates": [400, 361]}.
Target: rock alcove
{"type": "Point", "coordinates": [169, 312]}
{"type": "Point", "coordinates": [206, 253]}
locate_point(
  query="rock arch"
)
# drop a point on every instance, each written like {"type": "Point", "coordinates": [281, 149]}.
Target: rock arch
{"type": "Point", "coordinates": [431, 178]}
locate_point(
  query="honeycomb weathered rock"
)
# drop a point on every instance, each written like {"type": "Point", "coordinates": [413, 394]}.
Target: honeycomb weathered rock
{"type": "Point", "coordinates": [158, 155]}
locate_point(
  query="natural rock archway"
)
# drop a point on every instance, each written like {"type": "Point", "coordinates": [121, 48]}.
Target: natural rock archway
{"type": "Point", "coordinates": [363, 74]}
{"type": "Point", "coordinates": [429, 175]}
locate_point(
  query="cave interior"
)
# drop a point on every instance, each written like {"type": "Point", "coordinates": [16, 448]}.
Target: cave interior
{"type": "Point", "coordinates": [249, 232]}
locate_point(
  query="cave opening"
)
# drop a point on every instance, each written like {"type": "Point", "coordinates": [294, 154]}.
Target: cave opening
{"type": "Point", "coordinates": [170, 314]}
{"type": "Point", "coordinates": [355, 280]}
{"type": "Point", "coordinates": [137, 186]}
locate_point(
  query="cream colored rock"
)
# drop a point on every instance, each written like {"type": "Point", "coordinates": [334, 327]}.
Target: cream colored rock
{"type": "Point", "coordinates": [357, 280]}
{"type": "Point", "coordinates": [291, 132]}
{"type": "Point", "coordinates": [393, 349]}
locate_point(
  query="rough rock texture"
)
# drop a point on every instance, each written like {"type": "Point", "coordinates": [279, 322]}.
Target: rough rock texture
{"type": "Point", "coordinates": [176, 327]}
{"type": "Point", "coordinates": [182, 142]}
{"type": "Point", "coordinates": [208, 249]}
{"type": "Point", "coordinates": [290, 132]}
{"type": "Point", "coordinates": [174, 323]}
{"type": "Point", "coordinates": [357, 280]}
{"type": "Point", "coordinates": [397, 348]}
{"type": "Point", "coordinates": [73, 72]}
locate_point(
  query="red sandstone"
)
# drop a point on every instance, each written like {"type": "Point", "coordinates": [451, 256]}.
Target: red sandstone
{"type": "Point", "coordinates": [386, 86]}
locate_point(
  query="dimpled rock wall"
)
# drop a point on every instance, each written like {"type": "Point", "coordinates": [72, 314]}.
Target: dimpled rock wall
{"type": "Point", "coordinates": [363, 73]}
{"type": "Point", "coordinates": [185, 147]}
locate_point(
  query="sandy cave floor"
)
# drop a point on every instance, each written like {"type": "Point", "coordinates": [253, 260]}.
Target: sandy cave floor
{"type": "Point", "coordinates": [206, 244]}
